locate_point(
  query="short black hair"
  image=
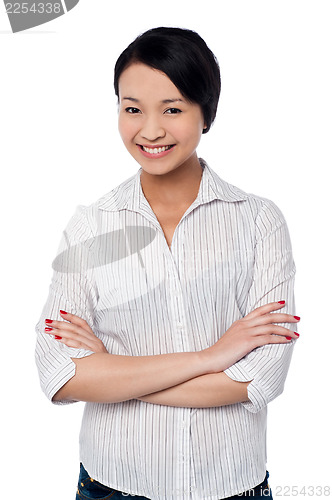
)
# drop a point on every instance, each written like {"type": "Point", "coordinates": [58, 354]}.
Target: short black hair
{"type": "Point", "coordinates": [185, 58]}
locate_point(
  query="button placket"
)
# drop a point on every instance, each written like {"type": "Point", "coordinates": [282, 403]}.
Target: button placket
{"type": "Point", "coordinates": [181, 344]}
{"type": "Point", "coordinates": [182, 481]}
{"type": "Point", "coordinates": [176, 304]}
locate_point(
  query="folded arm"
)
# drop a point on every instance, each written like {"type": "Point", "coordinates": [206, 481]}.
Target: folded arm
{"type": "Point", "coordinates": [191, 379]}
{"type": "Point", "coordinates": [259, 376]}
{"type": "Point", "coordinates": [205, 391]}
{"type": "Point", "coordinates": [273, 279]}
{"type": "Point", "coordinates": [79, 372]}
{"type": "Point", "coordinates": [109, 378]}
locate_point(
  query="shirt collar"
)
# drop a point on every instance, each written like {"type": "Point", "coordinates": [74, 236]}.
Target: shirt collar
{"type": "Point", "coordinates": [129, 195]}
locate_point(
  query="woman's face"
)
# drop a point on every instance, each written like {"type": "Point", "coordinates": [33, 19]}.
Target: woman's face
{"type": "Point", "coordinates": [158, 126]}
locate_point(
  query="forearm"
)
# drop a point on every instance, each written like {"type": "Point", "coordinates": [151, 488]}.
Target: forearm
{"type": "Point", "coordinates": [108, 378]}
{"type": "Point", "coordinates": [205, 391]}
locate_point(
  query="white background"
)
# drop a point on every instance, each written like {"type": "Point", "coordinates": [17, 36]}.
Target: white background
{"type": "Point", "coordinates": [60, 147]}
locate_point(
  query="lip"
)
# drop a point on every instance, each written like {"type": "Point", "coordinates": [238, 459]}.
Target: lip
{"type": "Point", "coordinates": [155, 155]}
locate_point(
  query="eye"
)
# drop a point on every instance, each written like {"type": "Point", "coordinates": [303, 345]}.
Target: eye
{"type": "Point", "coordinates": [173, 111]}
{"type": "Point", "coordinates": [132, 110]}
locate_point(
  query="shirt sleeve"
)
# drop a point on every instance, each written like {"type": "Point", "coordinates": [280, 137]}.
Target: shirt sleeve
{"type": "Point", "coordinates": [273, 280]}
{"type": "Point", "coordinates": [71, 290]}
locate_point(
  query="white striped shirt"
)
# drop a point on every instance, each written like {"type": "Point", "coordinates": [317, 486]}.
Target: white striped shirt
{"type": "Point", "coordinates": [230, 253]}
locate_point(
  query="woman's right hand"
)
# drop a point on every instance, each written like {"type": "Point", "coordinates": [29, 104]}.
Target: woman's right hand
{"type": "Point", "coordinates": [253, 330]}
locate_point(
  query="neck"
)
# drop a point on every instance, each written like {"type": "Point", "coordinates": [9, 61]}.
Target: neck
{"type": "Point", "coordinates": [175, 188]}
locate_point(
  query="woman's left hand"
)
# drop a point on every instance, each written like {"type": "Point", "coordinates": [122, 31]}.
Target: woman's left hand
{"type": "Point", "coordinates": [75, 332]}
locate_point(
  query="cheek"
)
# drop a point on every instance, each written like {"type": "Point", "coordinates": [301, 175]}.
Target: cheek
{"type": "Point", "coordinates": [192, 128]}
{"type": "Point", "coordinates": [127, 129]}
{"type": "Point", "coordinates": [189, 134]}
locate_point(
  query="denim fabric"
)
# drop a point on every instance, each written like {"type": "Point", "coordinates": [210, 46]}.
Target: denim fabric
{"type": "Point", "coordinates": [89, 489]}
{"type": "Point", "coordinates": [260, 491]}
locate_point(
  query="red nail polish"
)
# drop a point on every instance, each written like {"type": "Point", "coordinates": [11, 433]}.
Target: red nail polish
{"type": "Point", "coordinates": [48, 321]}
{"type": "Point", "coordinates": [63, 312]}
{"type": "Point", "coordinates": [57, 337]}
{"type": "Point", "coordinates": [289, 338]}
{"type": "Point", "coordinates": [48, 329]}
{"type": "Point", "coordinates": [281, 302]}
{"type": "Point", "coordinates": [297, 317]}
{"type": "Point", "coordinates": [297, 334]}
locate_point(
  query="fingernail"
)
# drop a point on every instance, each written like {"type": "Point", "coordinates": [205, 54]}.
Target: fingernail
{"type": "Point", "coordinates": [297, 334]}
{"type": "Point", "coordinates": [63, 312]}
{"type": "Point", "coordinates": [281, 302]}
{"type": "Point", "coordinates": [289, 338]}
{"type": "Point", "coordinates": [48, 329]}
{"type": "Point", "coordinates": [297, 317]}
{"type": "Point", "coordinates": [48, 321]}
{"type": "Point", "coordinates": [57, 337]}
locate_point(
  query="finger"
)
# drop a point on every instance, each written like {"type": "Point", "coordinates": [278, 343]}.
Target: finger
{"type": "Point", "coordinates": [78, 327]}
{"type": "Point", "coordinates": [74, 343]}
{"type": "Point", "coordinates": [266, 308]}
{"type": "Point", "coordinates": [273, 339]}
{"type": "Point", "coordinates": [50, 331]}
{"type": "Point", "coordinates": [68, 330]}
{"type": "Point", "coordinates": [63, 326]}
{"type": "Point", "coordinates": [76, 320]}
{"type": "Point", "coordinates": [77, 340]}
{"type": "Point", "coordinates": [274, 318]}
{"type": "Point", "coordinates": [94, 345]}
{"type": "Point", "coordinates": [275, 330]}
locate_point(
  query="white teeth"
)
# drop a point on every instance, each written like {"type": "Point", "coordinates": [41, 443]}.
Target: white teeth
{"type": "Point", "coordinates": [156, 150]}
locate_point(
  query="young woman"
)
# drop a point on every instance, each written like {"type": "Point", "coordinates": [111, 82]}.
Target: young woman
{"type": "Point", "coordinates": [171, 307]}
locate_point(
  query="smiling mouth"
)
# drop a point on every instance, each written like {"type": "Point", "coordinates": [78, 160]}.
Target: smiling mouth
{"type": "Point", "coordinates": [156, 150]}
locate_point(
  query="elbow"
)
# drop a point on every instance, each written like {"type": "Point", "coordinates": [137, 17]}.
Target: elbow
{"type": "Point", "coordinates": [61, 387]}
{"type": "Point", "coordinates": [277, 391]}
{"type": "Point", "coordinates": [259, 397]}
{"type": "Point", "coordinates": [78, 386]}
{"type": "Point", "coordinates": [70, 391]}
{"type": "Point", "coordinates": [63, 396]}
{"type": "Point", "coordinates": [63, 382]}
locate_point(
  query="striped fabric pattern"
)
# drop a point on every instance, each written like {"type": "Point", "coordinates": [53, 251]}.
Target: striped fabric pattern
{"type": "Point", "coordinates": [231, 252]}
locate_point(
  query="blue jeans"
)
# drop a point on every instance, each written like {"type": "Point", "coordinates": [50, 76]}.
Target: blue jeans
{"type": "Point", "coordinates": [88, 489]}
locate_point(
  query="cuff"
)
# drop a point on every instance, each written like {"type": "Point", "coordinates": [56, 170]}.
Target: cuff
{"type": "Point", "coordinates": [256, 393]}
{"type": "Point", "coordinates": [62, 374]}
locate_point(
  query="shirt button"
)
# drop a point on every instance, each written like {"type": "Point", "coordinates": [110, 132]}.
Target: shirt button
{"type": "Point", "coordinates": [180, 325]}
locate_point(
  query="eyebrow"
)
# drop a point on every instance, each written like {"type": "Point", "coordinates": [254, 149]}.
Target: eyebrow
{"type": "Point", "coordinates": [164, 101]}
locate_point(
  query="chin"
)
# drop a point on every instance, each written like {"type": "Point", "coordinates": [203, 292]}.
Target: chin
{"type": "Point", "coordinates": [155, 167]}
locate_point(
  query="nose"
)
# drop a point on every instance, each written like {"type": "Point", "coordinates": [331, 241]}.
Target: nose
{"type": "Point", "coordinates": [152, 129]}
